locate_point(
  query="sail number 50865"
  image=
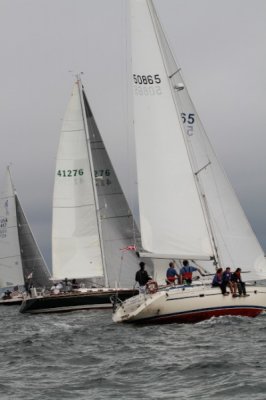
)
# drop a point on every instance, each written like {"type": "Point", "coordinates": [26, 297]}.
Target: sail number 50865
{"type": "Point", "coordinates": [146, 79]}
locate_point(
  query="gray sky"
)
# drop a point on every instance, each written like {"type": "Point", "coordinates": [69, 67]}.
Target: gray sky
{"type": "Point", "coordinates": [220, 45]}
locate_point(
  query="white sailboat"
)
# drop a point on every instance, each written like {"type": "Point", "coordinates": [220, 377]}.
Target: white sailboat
{"type": "Point", "coordinates": [92, 222]}
{"type": "Point", "coordinates": [21, 260]}
{"type": "Point", "coordinates": [201, 218]}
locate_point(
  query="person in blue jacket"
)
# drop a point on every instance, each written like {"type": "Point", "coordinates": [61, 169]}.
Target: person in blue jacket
{"type": "Point", "coordinates": [218, 281]}
{"type": "Point", "coordinates": [171, 274]}
{"type": "Point", "coordinates": [227, 281]}
{"type": "Point", "coordinates": [186, 272]}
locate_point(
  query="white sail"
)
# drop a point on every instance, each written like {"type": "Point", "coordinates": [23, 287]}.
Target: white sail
{"type": "Point", "coordinates": [118, 229]}
{"type": "Point", "coordinates": [171, 215]}
{"type": "Point", "coordinates": [20, 254]}
{"type": "Point", "coordinates": [235, 243]}
{"type": "Point", "coordinates": [76, 243]}
{"type": "Point", "coordinates": [10, 261]}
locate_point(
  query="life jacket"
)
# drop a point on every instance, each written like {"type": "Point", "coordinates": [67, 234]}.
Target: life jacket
{"type": "Point", "coordinates": [218, 278]}
{"type": "Point", "coordinates": [237, 276]}
{"type": "Point", "coordinates": [187, 275]}
{"type": "Point", "coordinates": [227, 276]}
{"type": "Point", "coordinates": [171, 278]}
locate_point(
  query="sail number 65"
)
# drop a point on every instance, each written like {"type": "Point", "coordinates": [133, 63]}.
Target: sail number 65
{"type": "Point", "coordinates": [189, 118]}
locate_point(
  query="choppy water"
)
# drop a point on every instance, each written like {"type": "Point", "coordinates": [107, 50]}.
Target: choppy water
{"type": "Point", "coordinates": [84, 355]}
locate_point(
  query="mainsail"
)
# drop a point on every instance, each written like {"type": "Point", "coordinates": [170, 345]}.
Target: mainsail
{"type": "Point", "coordinates": [199, 211]}
{"type": "Point", "coordinates": [165, 178]}
{"type": "Point", "coordinates": [76, 242]}
{"type": "Point", "coordinates": [10, 261]}
{"type": "Point", "coordinates": [21, 259]}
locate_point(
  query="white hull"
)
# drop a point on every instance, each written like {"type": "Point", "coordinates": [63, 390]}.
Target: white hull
{"type": "Point", "coordinates": [189, 304]}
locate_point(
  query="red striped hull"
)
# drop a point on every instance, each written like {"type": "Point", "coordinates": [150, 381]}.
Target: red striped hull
{"type": "Point", "coordinates": [201, 315]}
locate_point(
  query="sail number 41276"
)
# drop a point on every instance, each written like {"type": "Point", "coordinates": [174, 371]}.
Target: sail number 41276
{"type": "Point", "coordinates": [70, 172]}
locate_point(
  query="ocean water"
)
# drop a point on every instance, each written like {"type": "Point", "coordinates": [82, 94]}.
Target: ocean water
{"type": "Point", "coordinates": [84, 355]}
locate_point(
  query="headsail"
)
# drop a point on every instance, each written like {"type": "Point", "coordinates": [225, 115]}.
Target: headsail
{"type": "Point", "coordinates": [33, 263]}
{"type": "Point", "coordinates": [235, 242]}
{"type": "Point", "coordinates": [117, 225]}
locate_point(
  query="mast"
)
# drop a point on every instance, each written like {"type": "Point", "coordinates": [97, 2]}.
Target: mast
{"type": "Point", "coordinates": [92, 178]}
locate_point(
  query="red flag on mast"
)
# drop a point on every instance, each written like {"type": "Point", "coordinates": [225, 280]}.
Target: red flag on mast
{"type": "Point", "coordinates": [131, 247]}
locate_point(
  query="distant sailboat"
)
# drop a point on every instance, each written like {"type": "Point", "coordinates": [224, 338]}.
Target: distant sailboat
{"type": "Point", "coordinates": [92, 222]}
{"type": "Point", "coordinates": [21, 260]}
{"type": "Point", "coordinates": [194, 213]}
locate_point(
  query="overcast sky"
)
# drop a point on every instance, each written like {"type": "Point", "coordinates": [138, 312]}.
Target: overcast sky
{"type": "Point", "coordinates": [220, 45]}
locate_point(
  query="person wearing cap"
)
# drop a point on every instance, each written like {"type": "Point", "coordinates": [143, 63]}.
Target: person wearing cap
{"type": "Point", "coordinates": [142, 277]}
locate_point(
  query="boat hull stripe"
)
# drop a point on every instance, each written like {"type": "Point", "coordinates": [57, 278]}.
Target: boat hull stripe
{"type": "Point", "coordinates": [203, 314]}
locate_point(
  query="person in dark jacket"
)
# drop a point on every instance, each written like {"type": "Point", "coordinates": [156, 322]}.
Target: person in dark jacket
{"type": "Point", "coordinates": [218, 281]}
{"type": "Point", "coordinates": [227, 281]}
{"type": "Point", "coordinates": [142, 277]}
{"type": "Point", "coordinates": [236, 278]}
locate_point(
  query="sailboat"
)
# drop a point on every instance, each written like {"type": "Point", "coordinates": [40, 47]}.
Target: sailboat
{"type": "Point", "coordinates": [93, 229]}
{"type": "Point", "coordinates": [21, 260]}
{"type": "Point", "coordinates": [194, 213]}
